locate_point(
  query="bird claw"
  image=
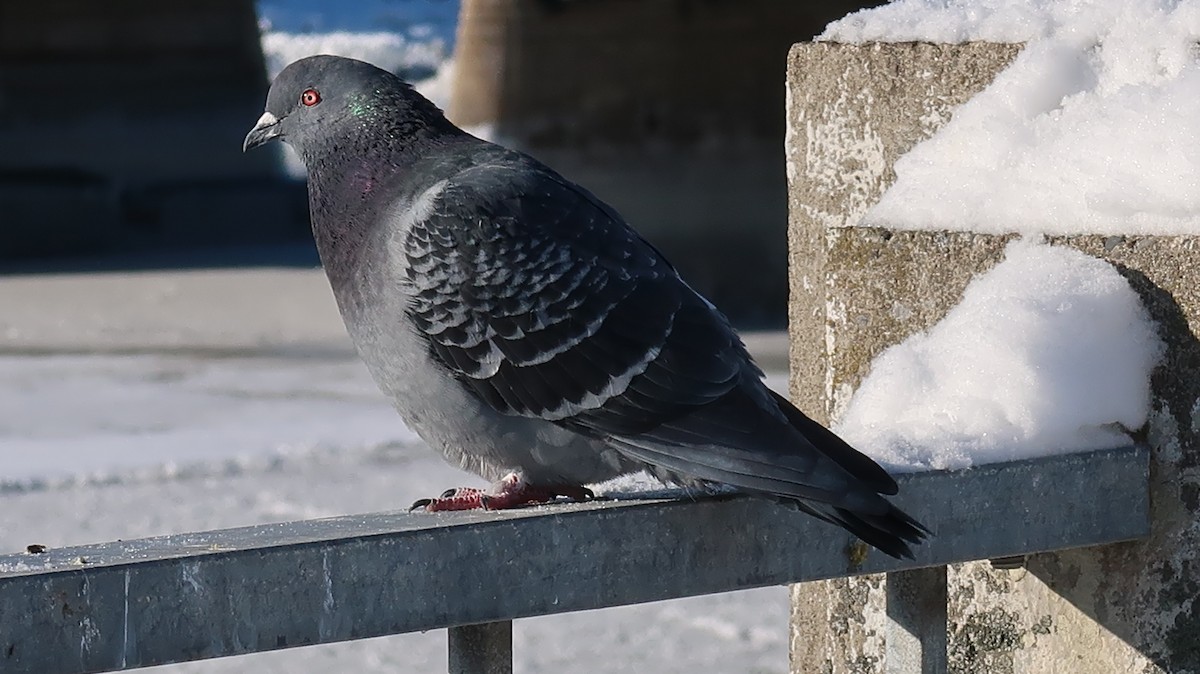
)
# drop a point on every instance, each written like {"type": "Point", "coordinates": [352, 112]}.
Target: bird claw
{"type": "Point", "coordinates": [580, 494]}
{"type": "Point", "coordinates": [510, 492]}
{"type": "Point", "coordinates": [460, 498]}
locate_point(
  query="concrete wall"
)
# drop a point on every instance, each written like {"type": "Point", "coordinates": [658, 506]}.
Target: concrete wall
{"type": "Point", "coordinates": [115, 114]}
{"type": "Point", "coordinates": [139, 91]}
{"type": "Point", "coordinates": [668, 109]}
{"type": "Point", "coordinates": [1120, 608]}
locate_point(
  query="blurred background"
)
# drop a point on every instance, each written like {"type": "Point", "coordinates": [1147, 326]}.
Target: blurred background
{"type": "Point", "coordinates": [121, 122]}
{"type": "Point", "coordinates": [171, 358]}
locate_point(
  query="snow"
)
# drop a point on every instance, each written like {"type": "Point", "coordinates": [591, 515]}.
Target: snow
{"type": "Point", "coordinates": [1051, 351]}
{"type": "Point", "coordinates": [412, 59]}
{"type": "Point", "coordinates": [412, 39]}
{"type": "Point", "coordinates": [72, 416]}
{"type": "Point", "coordinates": [1088, 131]}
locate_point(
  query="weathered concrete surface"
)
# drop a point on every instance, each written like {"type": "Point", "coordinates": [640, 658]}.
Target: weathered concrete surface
{"type": "Point", "coordinates": [856, 291]}
{"type": "Point", "coordinates": [851, 112]}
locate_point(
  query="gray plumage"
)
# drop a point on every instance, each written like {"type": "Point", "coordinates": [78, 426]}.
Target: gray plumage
{"type": "Point", "coordinates": [518, 324]}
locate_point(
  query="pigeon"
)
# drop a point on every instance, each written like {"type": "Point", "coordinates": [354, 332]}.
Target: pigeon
{"type": "Point", "coordinates": [521, 327]}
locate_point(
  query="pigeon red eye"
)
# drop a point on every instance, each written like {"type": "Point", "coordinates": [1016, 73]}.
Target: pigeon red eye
{"type": "Point", "coordinates": [310, 97]}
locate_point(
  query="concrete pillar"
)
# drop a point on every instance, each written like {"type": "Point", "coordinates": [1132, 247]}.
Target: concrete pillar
{"type": "Point", "coordinates": [667, 109]}
{"type": "Point", "coordinates": [137, 91]}
{"type": "Point", "coordinates": [121, 123]}
{"type": "Point", "coordinates": [1121, 608]}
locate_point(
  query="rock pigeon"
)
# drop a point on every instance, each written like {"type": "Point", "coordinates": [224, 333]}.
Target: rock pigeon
{"type": "Point", "coordinates": [522, 328]}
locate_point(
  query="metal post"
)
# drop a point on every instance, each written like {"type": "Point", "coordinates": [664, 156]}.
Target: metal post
{"type": "Point", "coordinates": [481, 649]}
{"type": "Point", "coordinates": [916, 611]}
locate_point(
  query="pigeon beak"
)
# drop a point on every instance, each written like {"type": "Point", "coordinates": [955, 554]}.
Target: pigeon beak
{"type": "Point", "coordinates": [265, 129]}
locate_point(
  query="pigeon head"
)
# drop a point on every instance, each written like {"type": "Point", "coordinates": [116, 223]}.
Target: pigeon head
{"type": "Point", "coordinates": [321, 104]}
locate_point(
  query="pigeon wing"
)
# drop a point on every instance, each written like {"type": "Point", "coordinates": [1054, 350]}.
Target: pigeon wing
{"type": "Point", "coordinates": [539, 298]}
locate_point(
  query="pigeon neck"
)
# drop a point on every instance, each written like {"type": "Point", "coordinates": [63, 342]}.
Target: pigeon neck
{"type": "Point", "coordinates": [353, 170]}
{"type": "Point", "coordinates": [347, 189]}
{"type": "Point", "coordinates": [342, 198]}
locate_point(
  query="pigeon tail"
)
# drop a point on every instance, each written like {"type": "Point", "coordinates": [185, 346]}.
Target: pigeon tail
{"type": "Point", "coordinates": [853, 461]}
{"type": "Point", "coordinates": [740, 441]}
{"type": "Point", "coordinates": [891, 533]}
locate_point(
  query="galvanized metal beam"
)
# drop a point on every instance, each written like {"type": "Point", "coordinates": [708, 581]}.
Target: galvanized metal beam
{"type": "Point", "coordinates": [193, 596]}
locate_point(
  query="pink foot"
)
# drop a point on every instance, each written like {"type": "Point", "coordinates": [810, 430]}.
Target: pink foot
{"type": "Point", "coordinates": [510, 492]}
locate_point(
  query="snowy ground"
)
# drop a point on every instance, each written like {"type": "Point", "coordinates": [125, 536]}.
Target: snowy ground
{"type": "Point", "coordinates": [101, 447]}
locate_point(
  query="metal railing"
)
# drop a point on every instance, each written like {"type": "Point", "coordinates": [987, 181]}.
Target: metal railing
{"type": "Point", "coordinates": [184, 597]}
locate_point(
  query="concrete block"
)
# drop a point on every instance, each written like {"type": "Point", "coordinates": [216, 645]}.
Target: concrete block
{"type": "Point", "coordinates": [718, 213]}
{"type": "Point", "coordinates": [667, 110]}
{"type": "Point", "coordinates": [1128, 607]}
{"type": "Point", "coordinates": [56, 212]}
{"type": "Point", "coordinates": [559, 73]}
{"type": "Point", "coordinates": [138, 91]}
{"type": "Point", "coordinates": [220, 212]}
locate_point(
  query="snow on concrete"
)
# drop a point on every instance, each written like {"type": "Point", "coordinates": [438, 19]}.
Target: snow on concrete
{"type": "Point", "coordinates": [1051, 351]}
{"type": "Point", "coordinates": [1089, 130]}
{"type": "Point", "coordinates": [954, 21]}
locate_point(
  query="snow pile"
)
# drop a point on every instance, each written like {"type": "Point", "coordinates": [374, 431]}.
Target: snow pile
{"type": "Point", "coordinates": [1051, 351]}
{"type": "Point", "coordinates": [414, 60]}
{"type": "Point", "coordinates": [1091, 129]}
